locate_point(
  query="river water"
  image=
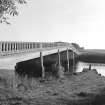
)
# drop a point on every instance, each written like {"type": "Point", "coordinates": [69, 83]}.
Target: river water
{"type": "Point", "coordinates": [100, 67]}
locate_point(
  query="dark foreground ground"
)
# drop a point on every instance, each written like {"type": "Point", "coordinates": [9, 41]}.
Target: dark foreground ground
{"type": "Point", "coordinates": [85, 88]}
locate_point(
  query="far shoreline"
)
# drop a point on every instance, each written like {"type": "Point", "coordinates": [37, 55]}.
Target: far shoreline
{"type": "Point", "coordinates": [92, 56]}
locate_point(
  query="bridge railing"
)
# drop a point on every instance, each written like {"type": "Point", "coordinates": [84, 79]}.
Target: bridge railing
{"type": "Point", "coordinates": [17, 47]}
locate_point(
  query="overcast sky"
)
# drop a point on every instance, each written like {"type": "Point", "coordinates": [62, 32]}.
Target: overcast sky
{"type": "Point", "coordinates": [78, 21]}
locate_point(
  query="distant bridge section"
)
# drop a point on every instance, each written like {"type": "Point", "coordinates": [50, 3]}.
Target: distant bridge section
{"type": "Point", "coordinates": [7, 48]}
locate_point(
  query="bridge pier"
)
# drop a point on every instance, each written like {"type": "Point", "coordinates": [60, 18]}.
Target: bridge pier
{"type": "Point", "coordinates": [9, 47]}
{"type": "Point", "coordinates": [3, 47]}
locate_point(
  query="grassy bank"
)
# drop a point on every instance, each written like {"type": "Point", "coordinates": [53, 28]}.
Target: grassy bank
{"type": "Point", "coordinates": [86, 88]}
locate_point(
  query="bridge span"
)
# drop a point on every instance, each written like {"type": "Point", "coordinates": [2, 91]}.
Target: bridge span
{"type": "Point", "coordinates": [14, 52]}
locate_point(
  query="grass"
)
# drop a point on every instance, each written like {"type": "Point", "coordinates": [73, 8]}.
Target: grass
{"type": "Point", "coordinates": [86, 88]}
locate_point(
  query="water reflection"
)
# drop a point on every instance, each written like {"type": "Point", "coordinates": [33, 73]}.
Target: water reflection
{"type": "Point", "coordinates": [98, 66]}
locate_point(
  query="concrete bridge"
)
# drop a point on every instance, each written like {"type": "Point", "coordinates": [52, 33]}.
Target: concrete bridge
{"type": "Point", "coordinates": [13, 52]}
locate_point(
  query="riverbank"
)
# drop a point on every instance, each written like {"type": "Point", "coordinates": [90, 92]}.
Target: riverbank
{"type": "Point", "coordinates": [85, 88]}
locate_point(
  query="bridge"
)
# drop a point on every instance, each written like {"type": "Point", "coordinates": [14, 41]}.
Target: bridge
{"type": "Point", "coordinates": [14, 52]}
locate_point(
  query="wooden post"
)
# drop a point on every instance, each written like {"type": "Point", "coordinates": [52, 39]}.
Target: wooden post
{"type": "Point", "coordinates": [73, 61]}
{"type": "Point", "coordinates": [67, 59]}
{"type": "Point", "coordinates": [3, 46]}
{"type": "Point", "coordinates": [59, 59]}
{"type": "Point", "coordinates": [42, 66]}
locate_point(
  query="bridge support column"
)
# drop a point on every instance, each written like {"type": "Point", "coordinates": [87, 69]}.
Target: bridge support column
{"type": "Point", "coordinates": [18, 46]}
{"type": "Point", "coordinates": [14, 46]}
{"type": "Point", "coordinates": [7, 46]}
{"type": "Point", "coordinates": [28, 46]}
{"type": "Point", "coordinates": [11, 47]}
{"type": "Point", "coordinates": [42, 66]}
{"type": "Point", "coordinates": [67, 59]}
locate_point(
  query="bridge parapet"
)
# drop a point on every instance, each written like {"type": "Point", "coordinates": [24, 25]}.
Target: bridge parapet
{"type": "Point", "coordinates": [19, 47]}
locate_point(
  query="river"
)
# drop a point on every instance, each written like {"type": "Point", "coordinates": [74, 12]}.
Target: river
{"type": "Point", "coordinates": [100, 67]}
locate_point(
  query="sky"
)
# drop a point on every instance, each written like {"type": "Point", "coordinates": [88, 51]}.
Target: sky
{"type": "Point", "coordinates": [73, 21]}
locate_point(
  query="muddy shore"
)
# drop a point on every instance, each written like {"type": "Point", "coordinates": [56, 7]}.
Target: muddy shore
{"type": "Point", "coordinates": [85, 88]}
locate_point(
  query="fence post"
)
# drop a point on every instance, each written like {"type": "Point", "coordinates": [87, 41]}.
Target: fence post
{"type": "Point", "coordinates": [73, 61]}
{"type": "Point", "coordinates": [67, 59]}
{"type": "Point", "coordinates": [59, 59]}
{"type": "Point", "coordinates": [42, 66]}
{"type": "Point", "coordinates": [41, 58]}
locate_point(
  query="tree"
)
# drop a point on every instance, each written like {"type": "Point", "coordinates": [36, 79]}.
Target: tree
{"type": "Point", "coordinates": [8, 7]}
